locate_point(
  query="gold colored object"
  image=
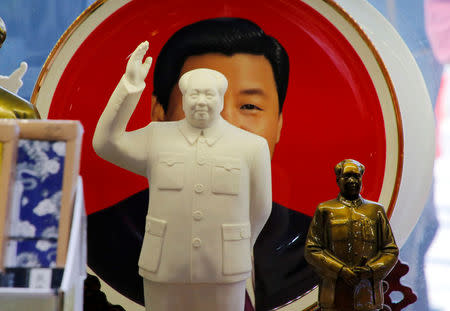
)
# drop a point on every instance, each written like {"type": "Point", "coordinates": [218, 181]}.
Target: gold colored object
{"type": "Point", "coordinates": [351, 246]}
{"type": "Point", "coordinates": [2, 32]}
{"type": "Point", "coordinates": [13, 106]}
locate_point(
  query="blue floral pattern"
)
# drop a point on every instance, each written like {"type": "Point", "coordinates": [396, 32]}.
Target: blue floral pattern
{"type": "Point", "coordinates": [32, 253]}
{"type": "Point", "coordinates": [36, 203]}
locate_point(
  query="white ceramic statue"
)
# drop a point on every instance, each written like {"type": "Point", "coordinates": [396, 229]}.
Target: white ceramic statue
{"type": "Point", "coordinates": [14, 82]}
{"type": "Point", "coordinates": [210, 191]}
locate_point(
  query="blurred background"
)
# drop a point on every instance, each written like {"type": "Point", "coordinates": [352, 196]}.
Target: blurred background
{"type": "Point", "coordinates": [425, 27]}
{"type": "Point", "coordinates": [34, 26]}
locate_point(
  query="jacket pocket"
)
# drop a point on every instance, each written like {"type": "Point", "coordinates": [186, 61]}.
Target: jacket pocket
{"type": "Point", "coordinates": [339, 229]}
{"type": "Point", "coordinates": [170, 171]}
{"type": "Point", "coordinates": [226, 176]}
{"type": "Point", "coordinates": [155, 230]}
{"type": "Point", "coordinates": [369, 230]}
{"type": "Point", "coordinates": [236, 248]}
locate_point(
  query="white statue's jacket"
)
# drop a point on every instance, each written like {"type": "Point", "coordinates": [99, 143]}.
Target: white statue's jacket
{"type": "Point", "coordinates": [210, 188]}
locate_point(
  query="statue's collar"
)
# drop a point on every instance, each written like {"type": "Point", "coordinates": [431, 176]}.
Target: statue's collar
{"type": "Point", "coordinates": [350, 203]}
{"type": "Point", "coordinates": [212, 134]}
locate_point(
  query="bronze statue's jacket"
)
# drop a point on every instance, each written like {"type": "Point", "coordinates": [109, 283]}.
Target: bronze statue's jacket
{"type": "Point", "coordinates": [350, 233]}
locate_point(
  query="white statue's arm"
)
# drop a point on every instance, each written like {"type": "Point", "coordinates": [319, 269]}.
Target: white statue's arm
{"type": "Point", "coordinates": [260, 191]}
{"type": "Point", "coordinates": [111, 140]}
{"type": "Point", "coordinates": [14, 82]}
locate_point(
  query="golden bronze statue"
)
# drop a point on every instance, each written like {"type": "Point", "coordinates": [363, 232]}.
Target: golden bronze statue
{"type": "Point", "coordinates": [351, 246]}
{"type": "Point", "coordinates": [13, 106]}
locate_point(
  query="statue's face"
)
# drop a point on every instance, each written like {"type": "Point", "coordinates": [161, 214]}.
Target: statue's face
{"type": "Point", "coordinates": [202, 102]}
{"type": "Point", "coordinates": [350, 183]}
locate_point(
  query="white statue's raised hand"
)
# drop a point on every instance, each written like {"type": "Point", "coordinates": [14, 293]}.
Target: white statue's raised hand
{"type": "Point", "coordinates": [14, 82]}
{"type": "Point", "coordinates": [137, 70]}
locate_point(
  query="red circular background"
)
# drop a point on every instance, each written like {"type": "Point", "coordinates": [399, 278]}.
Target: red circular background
{"type": "Point", "coordinates": [331, 111]}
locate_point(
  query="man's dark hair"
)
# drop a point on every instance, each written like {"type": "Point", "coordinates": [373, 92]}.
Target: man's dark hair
{"type": "Point", "coordinates": [224, 35]}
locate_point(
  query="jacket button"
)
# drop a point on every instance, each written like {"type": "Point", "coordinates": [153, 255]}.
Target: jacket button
{"type": "Point", "coordinates": [199, 188]}
{"type": "Point", "coordinates": [245, 234]}
{"type": "Point", "coordinates": [201, 160]}
{"type": "Point", "coordinates": [198, 215]}
{"type": "Point", "coordinates": [196, 242]}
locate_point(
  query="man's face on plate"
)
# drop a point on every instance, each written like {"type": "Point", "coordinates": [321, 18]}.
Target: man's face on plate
{"type": "Point", "coordinates": [251, 100]}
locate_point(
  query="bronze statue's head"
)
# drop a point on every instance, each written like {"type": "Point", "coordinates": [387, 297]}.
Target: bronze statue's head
{"type": "Point", "coordinates": [2, 32]}
{"type": "Point", "coordinates": [349, 178]}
